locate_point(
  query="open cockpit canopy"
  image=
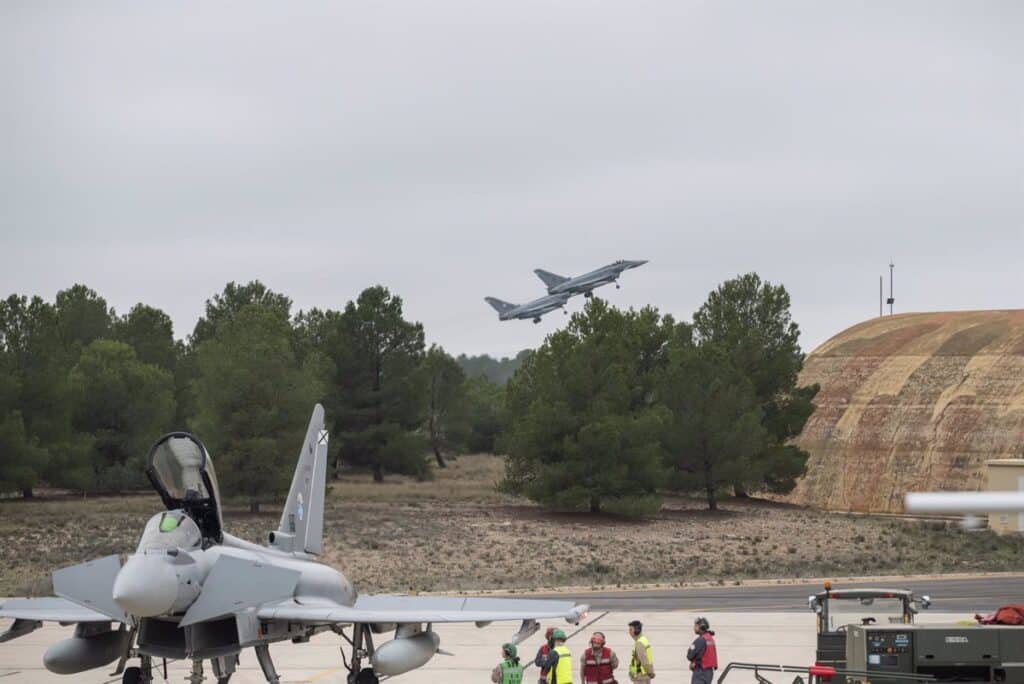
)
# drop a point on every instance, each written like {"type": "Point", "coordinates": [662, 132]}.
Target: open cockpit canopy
{"type": "Point", "coordinates": [180, 469]}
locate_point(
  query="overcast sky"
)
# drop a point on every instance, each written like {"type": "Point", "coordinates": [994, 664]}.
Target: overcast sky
{"type": "Point", "coordinates": [155, 151]}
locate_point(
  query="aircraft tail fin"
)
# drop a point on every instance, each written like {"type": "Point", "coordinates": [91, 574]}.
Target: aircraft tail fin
{"type": "Point", "coordinates": [302, 520]}
{"type": "Point", "coordinates": [499, 306]}
{"type": "Point", "coordinates": [550, 279]}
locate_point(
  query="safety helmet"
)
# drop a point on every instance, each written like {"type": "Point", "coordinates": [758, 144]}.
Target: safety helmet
{"type": "Point", "coordinates": [558, 635]}
{"type": "Point", "coordinates": [597, 639]}
{"type": "Point", "coordinates": [548, 633]}
{"type": "Point", "coordinates": [702, 624]}
{"type": "Point", "coordinates": [510, 650]}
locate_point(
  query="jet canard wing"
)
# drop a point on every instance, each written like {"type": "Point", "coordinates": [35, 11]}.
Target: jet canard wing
{"type": "Point", "coordinates": [424, 609]}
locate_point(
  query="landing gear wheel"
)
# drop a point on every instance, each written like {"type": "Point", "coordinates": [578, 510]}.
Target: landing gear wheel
{"type": "Point", "coordinates": [366, 676]}
{"type": "Point", "coordinates": [132, 675]}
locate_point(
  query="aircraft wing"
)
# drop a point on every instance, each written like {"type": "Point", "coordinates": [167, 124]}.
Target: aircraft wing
{"type": "Point", "coordinates": [412, 609]}
{"type": "Point", "coordinates": [49, 609]}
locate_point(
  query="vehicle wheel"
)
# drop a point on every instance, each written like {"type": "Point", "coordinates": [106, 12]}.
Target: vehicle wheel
{"type": "Point", "coordinates": [132, 675]}
{"type": "Point", "coordinates": [366, 676]}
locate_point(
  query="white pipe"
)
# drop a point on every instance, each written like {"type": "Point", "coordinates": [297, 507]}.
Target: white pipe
{"type": "Point", "coordinates": [964, 502]}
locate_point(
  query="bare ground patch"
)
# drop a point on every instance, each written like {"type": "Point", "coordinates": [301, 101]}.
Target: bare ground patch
{"type": "Point", "coordinates": [457, 533]}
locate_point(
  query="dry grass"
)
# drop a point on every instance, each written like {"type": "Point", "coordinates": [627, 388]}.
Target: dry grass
{"type": "Point", "coordinates": [458, 533]}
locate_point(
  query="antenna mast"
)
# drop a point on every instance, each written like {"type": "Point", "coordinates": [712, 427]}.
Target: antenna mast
{"type": "Point", "coordinates": [891, 299]}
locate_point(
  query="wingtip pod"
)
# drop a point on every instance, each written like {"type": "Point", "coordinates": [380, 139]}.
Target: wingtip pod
{"type": "Point", "coordinates": [578, 614]}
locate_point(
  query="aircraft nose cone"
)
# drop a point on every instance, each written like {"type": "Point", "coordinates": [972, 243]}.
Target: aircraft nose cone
{"type": "Point", "coordinates": [637, 264]}
{"type": "Point", "coordinates": [146, 586]}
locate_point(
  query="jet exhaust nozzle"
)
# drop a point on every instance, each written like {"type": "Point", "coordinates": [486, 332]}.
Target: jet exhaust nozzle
{"type": "Point", "coordinates": [402, 654]}
{"type": "Point", "coordinates": [146, 586]}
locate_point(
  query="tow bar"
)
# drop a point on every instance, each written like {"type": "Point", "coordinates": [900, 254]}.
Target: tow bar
{"type": "Point", "coordinates": [814, 674]}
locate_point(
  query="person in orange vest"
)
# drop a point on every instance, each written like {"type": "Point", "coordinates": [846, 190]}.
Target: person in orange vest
{"type": "Point", "coordinates": [542, 654]}
{"type": "Point", "coordinates": [598, 663]}
{"type": "Point", "coordinates": [702, 654]}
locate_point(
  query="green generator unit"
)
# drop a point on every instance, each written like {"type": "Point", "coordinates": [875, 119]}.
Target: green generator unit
{"type": "Point", "coordinates": [949, 653]}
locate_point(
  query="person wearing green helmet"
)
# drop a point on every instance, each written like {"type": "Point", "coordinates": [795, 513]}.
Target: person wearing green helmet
{"type": "Point", "coordinates": [508, 671]}
{"type": "Point", "coordinates": [558, 661]}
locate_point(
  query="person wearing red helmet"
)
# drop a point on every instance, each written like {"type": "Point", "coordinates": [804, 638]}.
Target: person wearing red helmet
{"type": "Point", "coordinates": [542, 654]}
{"type": "Point", "coordinates": [598, 663]}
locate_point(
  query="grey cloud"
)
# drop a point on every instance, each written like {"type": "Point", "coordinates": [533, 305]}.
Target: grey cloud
{"type": "Point", "coordinates": [446, 149]}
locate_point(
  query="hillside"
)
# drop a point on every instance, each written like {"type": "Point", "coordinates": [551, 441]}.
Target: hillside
{"type": "Point", "coordinates": [912, 402]}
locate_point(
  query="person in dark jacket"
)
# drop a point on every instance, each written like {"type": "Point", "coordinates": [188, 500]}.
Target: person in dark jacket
{"type": "Point", "coordinates": [542, 653]}
{"type": "Point", "coordinates": [703, 653]}
{"type": "Point", "coordinates": [558, 661]}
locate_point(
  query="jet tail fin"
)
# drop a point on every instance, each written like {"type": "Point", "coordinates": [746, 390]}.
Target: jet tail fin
{"type": "Point", "coordinates": [550, 279]}
{"type": "Point", "coordinates": [499, 306]}
{"type": "Point", "coordinates": [302, 520]}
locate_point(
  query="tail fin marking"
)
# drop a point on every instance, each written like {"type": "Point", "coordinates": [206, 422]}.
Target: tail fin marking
{"type": "Point", "coordinates": [303, 514]}
{"type": "Point", "coordinates": [499, 306]}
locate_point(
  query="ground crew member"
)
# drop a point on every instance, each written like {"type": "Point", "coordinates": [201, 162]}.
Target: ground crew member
{"type": "Point", "coordinates": [703, 655]}
{"type": "Point", "coordinates": [641, 663]}
{"type": "Point", "coordinates": [508, 671]}
{"type": "Point", "coordinates": [598, 663]}
{"type": "Point", "coordinates": [558, 661]}
{"type": "Point", "coordinates": [542, 653]}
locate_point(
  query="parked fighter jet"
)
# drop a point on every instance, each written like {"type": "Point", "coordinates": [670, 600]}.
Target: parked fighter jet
{"type": "Point", "coordinates": [534, 309]}
{"type": "Point", "coordinates": [586, 283]}
{"type": "Point", "coordinates": [192, 591]}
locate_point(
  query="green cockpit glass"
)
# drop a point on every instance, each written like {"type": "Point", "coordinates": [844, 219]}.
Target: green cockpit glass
{"type": "Point", "coordinates": [169, 523]}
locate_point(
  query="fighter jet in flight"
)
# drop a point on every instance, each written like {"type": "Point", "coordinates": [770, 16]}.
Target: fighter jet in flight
{"type": "Point", "coordinates": [534, 309]}
{"type": "Point", "coordinates": [586, 283]}
{"type": "Point", "coordinates": [192, 591]}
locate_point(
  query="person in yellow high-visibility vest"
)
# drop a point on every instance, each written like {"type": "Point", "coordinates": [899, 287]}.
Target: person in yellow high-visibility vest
{"type": "Point", "coordinates": [558, 661]}
{"type": "Point", "coordinates": [641, 663]}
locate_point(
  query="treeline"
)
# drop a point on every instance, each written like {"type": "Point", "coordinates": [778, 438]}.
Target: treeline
{"type": "Point", "coordinates": [620, 406]}
{"type": "Point", "coordinates": [610, 412]}
{"type": "Point", "coordinates": [498, 371]}
{"type": "Point", "coordinates": [84, 391]}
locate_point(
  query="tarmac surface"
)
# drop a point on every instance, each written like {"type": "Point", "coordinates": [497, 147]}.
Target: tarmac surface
{"type": "Point", "coordinates": [958, 594]}
{"type": "Point", "coordinates": [764, 624]}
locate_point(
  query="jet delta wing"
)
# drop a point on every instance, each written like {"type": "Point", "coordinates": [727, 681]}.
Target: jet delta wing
{"type": "Point", "coordinates": [193, 591]}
